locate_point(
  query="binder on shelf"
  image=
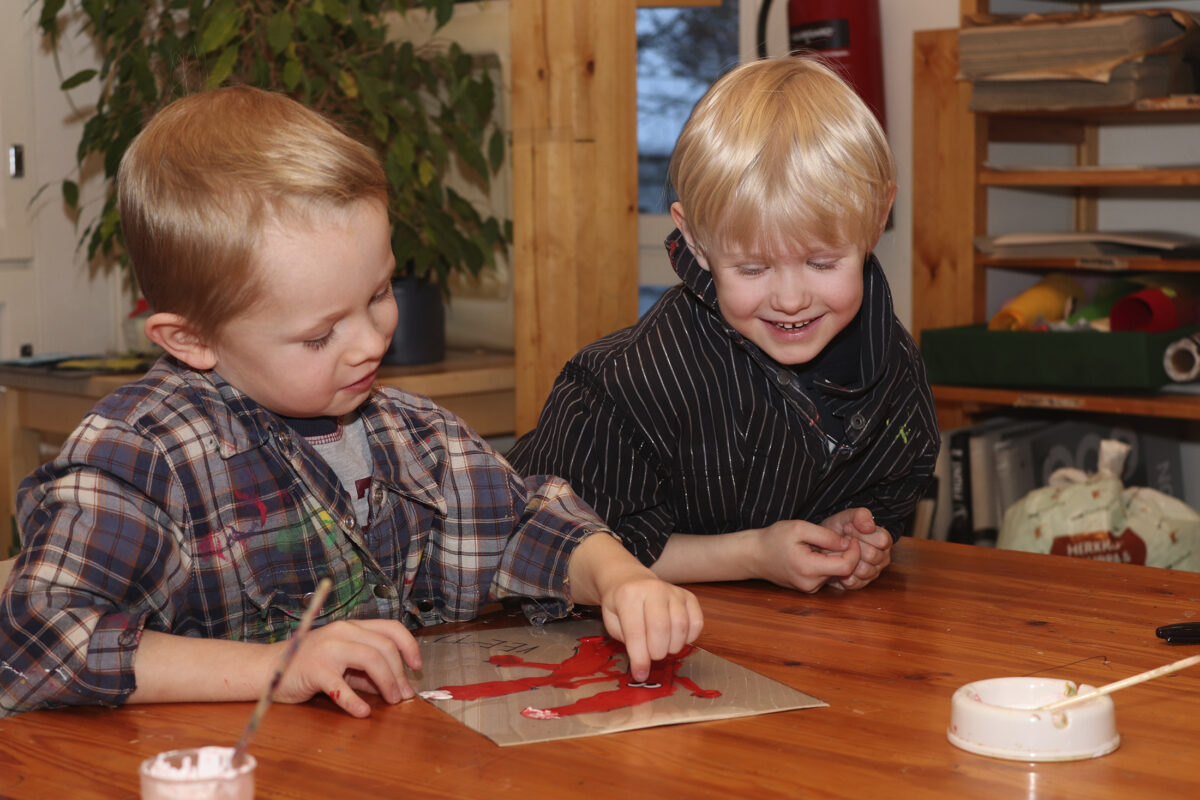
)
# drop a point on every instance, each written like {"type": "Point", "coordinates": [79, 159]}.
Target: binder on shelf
{"type": "Point", "coordinates": [961, 528]}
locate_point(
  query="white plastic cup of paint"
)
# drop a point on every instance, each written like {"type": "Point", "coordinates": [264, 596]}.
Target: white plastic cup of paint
{"type": "Point", "coordinates": [197, 773]}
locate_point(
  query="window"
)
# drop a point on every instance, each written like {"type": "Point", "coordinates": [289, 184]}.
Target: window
{"type": "Point", "coordinates": [681, 51]}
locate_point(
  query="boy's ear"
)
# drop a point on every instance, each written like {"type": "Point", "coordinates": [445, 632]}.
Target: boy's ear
{"type": "Point", "coordinates": [174, 334]}
{"type": "Point", "coordinates": [680, 220]}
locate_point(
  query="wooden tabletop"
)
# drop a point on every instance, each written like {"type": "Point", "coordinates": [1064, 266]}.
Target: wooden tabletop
{"type": "Point", "coordinates": [887, 660]}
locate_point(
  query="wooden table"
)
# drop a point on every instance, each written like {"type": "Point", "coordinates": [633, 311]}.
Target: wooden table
{"type": "Point", "coordinates": [39, 408]}
{"type": "Point", "coordinates": [886, 659]}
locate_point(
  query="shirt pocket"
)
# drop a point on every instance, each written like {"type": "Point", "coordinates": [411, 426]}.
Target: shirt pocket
{"type": "Point", "coordinates": [280, 556]}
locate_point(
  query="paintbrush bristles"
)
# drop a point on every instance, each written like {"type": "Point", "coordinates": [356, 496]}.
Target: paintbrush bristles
{"type": "Point", "coordinates": [1109, 688]}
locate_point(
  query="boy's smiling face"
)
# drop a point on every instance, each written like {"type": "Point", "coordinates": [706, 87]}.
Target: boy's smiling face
{"type": "Point", "coordinates": [312, 345]}
{"type": "Point", "coordinates": [791, 302]}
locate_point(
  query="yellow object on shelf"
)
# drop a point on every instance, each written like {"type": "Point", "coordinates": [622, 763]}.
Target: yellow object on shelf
{"type": "Point", "coordinates": [1050, 300]}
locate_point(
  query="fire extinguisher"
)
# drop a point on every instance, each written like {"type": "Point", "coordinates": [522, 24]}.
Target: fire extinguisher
{"type": "Point", "coordinates": [846, 34]}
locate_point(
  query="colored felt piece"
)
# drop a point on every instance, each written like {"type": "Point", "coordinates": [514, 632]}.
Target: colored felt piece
{"type": "Point", "coordinates": [1049, 300]}
{"type": "Point", "coordinates": [1154, 309]}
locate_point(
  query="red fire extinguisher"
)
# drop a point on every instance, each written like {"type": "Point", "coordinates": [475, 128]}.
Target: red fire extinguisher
{"type": "Point", "coordinates": [846, 34]}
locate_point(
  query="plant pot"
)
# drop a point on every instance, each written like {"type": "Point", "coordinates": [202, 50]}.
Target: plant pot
{"type": "Point", "coordinates": [420, 336]}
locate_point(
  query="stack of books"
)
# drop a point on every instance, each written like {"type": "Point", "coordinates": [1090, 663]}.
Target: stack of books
{"type": "Point", "coordinates": [1068, 61]}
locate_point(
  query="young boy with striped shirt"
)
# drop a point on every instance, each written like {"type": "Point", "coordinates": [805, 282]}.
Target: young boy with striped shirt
{"type": "Point", "coordinates": [769, 417]}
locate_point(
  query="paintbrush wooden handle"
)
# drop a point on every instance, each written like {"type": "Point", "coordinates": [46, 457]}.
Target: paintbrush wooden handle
{"type": "Point", "coordinates": [1108, 688]}
{"type": "Point", "coordinates": [264, 700]}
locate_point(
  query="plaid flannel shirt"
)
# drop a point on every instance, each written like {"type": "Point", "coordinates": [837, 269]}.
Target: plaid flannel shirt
{"type": "Point", "coordinates": [182, 506]}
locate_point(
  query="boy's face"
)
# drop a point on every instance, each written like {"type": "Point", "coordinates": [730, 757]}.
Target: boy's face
{"type": "Point", "coordinates": [312, 345]}
{"type": "Point", "coordinates": [790, 305]}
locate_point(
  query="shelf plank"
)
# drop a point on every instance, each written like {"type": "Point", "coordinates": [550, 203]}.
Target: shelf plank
{"type": "Point", "coordinates": [1117, 176]}
{"type": "Point", "coordinates": [1094, 263]}
{"type": "Point", "coordinates": [1169, 406]}
{"type": "Point", "coordinates": [1147, 111]}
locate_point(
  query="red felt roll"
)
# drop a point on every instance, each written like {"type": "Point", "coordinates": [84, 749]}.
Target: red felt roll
{"type": "Point", "coordinates": [1152, 310]}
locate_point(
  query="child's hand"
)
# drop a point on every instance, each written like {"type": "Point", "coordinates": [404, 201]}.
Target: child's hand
{"type": "Point", "coordinates": [875, 545]}
{"type": "Point", "coordinates": [804, 556]}
{"type": "Point", "coordinates": [339, 658]}
{"type": "Point", "coordinates": [652, 617]}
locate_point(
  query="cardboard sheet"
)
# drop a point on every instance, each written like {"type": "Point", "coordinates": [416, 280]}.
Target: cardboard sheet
{"type": "Point", "coordinates": [569, 679]}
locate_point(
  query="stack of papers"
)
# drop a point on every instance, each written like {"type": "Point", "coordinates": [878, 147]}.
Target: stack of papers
{"type": "Point", "coordinates": [1065, 61]}
{"type": "Point", "coordinates": [1081, 244]}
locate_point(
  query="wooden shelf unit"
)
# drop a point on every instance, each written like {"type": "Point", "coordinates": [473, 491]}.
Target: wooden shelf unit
{"type": "Point", "coordinates": [951, 178]}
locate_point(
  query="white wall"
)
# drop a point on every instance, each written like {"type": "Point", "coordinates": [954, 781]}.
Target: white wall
{"type": "Point", "coordinates": [50, 301]}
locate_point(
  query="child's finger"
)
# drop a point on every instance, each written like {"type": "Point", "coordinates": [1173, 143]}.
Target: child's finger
{"type": "Point", "coordinates": [401, 640]}
{"type": "Point", "coordinates": [838, 562]}
{"type": "Point", "coordinates": [688, 621]}
{"type": "Point", "coordinates": [821, 537]}
{"type": "Point", "coordinates": [376, 657]}
{"type": "Point", "coordinates": [339, 691]}
{"type": "Point", "coordinates": [634, 631]}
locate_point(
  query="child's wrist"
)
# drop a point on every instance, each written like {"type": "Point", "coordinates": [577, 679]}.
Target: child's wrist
{"type": "Point", "coordinates": [752, 551]}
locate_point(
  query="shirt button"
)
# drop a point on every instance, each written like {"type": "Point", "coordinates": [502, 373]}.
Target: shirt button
{"type": "Point", "coordinates": [128, 637]}
{"type": "Point", "coordinates": [383, 591]}
{"type": "Point", "coordinates": [783, 377]}
{"type": "Point", "coordinates": [425, 606]}
{"type": "Point", "coordinates": [348, 522]}
{"type": "Point", "coordinates": [858, 422]}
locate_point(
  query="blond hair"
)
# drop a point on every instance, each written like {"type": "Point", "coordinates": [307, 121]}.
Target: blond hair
{"type": "Point", "coordinates": [781, 150]}
{"type": "Point", "coordinates": [206, 176]}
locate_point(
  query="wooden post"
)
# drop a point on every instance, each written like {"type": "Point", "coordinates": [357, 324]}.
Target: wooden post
{"type": "Point", "coordinates": [575, 250]}
{"type": "Point", "coordinates": [949, 145]}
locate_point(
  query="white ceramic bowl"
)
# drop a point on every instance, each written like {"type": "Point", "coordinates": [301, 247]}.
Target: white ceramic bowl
{"type": "Point", "coordinates": [998, 718]}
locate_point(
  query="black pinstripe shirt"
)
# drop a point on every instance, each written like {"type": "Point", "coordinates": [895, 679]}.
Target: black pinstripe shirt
{"type": "Point", "coordinates": [680, 425]}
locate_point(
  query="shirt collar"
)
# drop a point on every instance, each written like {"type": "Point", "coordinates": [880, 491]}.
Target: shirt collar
{"type": "Point", "coordinates": [409, 462]}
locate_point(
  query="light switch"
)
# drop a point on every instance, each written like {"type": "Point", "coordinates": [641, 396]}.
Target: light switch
{"type": "Point", "coordinates": [16, 161]}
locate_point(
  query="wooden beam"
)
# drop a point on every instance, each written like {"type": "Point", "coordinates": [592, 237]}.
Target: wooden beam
{"type": "Point", "coordinates": [949, 146]}
{"type": "Point", "coordinates": [575, 252]}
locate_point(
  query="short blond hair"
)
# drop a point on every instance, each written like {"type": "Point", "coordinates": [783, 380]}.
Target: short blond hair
{"type": "Point", "coordinates": [781, 150]}
{"type": "Point", "coordinates": [206, 176]}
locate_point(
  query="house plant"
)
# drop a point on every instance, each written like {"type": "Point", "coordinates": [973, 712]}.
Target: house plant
{"type": "Point", "coordinates": [427, 108]}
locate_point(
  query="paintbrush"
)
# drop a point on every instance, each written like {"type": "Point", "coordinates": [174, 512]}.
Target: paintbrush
{"type": "Point", "coordinates": [1109, 688]}
{"type": "Point", "coordinates": [264, 701]}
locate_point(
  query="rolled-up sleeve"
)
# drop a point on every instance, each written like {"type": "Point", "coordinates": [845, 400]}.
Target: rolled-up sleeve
{"type": "Point", "coordinates": [95, 563]}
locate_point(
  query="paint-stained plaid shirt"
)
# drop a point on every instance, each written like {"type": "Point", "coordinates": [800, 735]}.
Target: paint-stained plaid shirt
{"type": "Point", "coordinates": [180, 505]}
{"type": "Point", "coordinates": [679, 424]}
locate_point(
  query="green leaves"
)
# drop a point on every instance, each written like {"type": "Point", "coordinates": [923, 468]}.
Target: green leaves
{"type": "Point", "coordinates": [279, 31]}
{"type": "Point", "coordinates": [219, 26]}
{"type": "Point", "coordinates": [70, 191]}
{"type": "Point", "coordinates": [428, 110]}
{"type": "Point", "coordinates": [223, 68]}
{"type": "Point", "coordinates": [78, 79]}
